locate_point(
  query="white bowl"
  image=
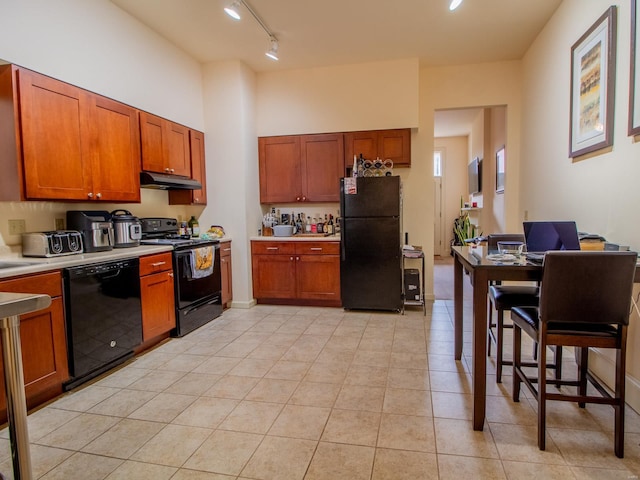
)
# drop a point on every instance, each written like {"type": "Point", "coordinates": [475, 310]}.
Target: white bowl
{"type": "Point", "coordinates": [282, 230]}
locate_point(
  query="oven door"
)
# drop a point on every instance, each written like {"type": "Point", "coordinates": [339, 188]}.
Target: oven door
{"type": "Point", "coordinates": [189, 289]}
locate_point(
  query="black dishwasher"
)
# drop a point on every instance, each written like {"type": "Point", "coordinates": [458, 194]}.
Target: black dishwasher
{"type": "Point", "coordinates": [103, 317]}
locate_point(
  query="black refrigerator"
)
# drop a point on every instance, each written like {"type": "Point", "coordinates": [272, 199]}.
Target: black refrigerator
{"type": "Point", "coordinates": [370, 243]}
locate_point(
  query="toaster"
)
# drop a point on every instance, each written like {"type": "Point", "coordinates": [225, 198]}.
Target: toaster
{"type": "Point", "coordinates": [51, 244]}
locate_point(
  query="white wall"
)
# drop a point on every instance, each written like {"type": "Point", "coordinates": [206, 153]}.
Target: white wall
{"type": "Point", "coordinates": [600, 192]}
{"type": "Point", "coordinates": [232, 165]}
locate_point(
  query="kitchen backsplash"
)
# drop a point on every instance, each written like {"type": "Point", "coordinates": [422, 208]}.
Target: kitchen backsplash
{"type": "Point", "coordinates": [309, 209]}
{"type": "Point", "coordinates": [41, 216]}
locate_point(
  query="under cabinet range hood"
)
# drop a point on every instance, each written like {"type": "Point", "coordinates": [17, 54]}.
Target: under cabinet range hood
{"type": "Point", "coordinates": [168, 182]}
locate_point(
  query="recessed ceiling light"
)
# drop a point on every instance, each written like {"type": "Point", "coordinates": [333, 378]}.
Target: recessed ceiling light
{"type": "Point", "coordinates": [454, 4]}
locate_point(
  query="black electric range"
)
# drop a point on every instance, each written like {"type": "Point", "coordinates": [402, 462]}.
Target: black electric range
{"type": "Point", "coordinates": [198, 296]}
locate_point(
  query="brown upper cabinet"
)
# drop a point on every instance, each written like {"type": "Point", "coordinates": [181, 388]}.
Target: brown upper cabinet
{"type": "Point", "coordinates": [165, 146]}
{"type": "Point", "coordinates": [301, 168]}
{"type": "Point", "coordinates": [198, 172]}
{"type": "Point", "coordinates": [61, 142]}
{"type": "Point", "coordinates": [383, 144]}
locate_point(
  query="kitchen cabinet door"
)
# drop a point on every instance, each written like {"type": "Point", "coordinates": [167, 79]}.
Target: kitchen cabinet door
{"type": "Point", "coordinates": [225, 273]}
{"type": "Point", "coordinates": [158, 304]}
{"type": "Point", "coordinates": [55, 138]}
{"type": "Point", "coordinates": [198, 172]}
{"type": "Point", "coordinates": [116, 150]}
{"type": "Point", "coordinates": [279, 163]}
{"type": "Point", "coordinates": [165, 146]}
{"type": "Point", "coordinates": [318, 277]}
{"type": "Point", "coordinates": [356, 143]}
{"type": "Point", "coordinates": [396, 145]}
{"type": "Point", "coordinates": [274, 276]}
{"type": "Point", "coordinates": [322, 166]}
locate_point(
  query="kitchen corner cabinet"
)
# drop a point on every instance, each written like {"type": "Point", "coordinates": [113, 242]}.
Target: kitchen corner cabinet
{"type": "Point", "coordinates": [301, 168]}
{"type": "Point", "coordinates": [157, 295]}
{"type": "Point", "coordinates": [165, 146]}
{"type": "Point", "coordinates": [383, 144]}
{"type": "Point", "coordinates": [225, 273]}
{"type": "Point", "coordinates": [53, 127]}
{"type": "Point", "coordinates": [42, 339]}
{"type": "Point", "coordinates": [299, 273]}
{"type": "Point", "coordinates": [198, 172]}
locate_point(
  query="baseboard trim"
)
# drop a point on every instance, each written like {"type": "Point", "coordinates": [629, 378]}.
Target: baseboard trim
{"type": "Point", "coordinates": [245, 305]}
{"type": "Point", "coordinates": [603, 367]}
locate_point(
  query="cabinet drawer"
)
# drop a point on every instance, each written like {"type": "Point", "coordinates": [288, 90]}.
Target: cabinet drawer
{"type": "Point", "coordinates": [273, 248]}
{"type": "Point", "coordinates": [225, 249]}
{"type": "Point", "coordinates": [318, 248]}
{"type": "Point", "coordinates": [155, 263]}
{"type": "Point", "coordinates": [46, 283]}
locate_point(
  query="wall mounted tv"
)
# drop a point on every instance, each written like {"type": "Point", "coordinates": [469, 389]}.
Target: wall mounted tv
{"type": "Point", "coordinates": [475, 176]}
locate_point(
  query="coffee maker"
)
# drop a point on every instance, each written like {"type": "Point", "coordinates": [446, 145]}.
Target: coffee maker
{"type": "Point", "coordinates": [95, 226]}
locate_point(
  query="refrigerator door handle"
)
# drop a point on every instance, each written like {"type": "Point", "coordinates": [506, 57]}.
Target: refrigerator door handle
{"type": "Point", "coordinates": [343, 242]}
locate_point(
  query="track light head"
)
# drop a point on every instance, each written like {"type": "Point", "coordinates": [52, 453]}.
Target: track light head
{"type": "Point", "coordinates": [273, 51]}
{"type": "Point", "coordinates": [233, 10]}
{"type": "Point", "coordinates": [454, 4]}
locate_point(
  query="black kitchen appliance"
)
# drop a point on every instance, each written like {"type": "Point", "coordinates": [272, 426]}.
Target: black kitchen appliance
{"type": "Point", "coordinates": [370, 243]}
{"type": "Point", "coordinates": [95, 226]}
{"type": "Point", "coordinates": [198, 299]}
{"type": "Point", "coordinates": [103, 317]}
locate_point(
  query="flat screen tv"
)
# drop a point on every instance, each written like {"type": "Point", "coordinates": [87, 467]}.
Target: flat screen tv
{"type": "Point", "coordinates": [475, 176]}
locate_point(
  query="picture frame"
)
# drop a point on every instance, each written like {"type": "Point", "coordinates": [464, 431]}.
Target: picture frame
{"type": "Point", "coordinates": [593, 86]}
{"type": "Point", "coordinates": [634, 80]}
{"type": "Point", "coordinates": [500, 164]}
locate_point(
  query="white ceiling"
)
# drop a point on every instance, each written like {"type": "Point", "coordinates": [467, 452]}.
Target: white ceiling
{"type": "Point", "coordinates": [315, 33]}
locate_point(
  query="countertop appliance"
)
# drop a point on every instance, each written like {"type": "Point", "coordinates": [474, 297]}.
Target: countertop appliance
{"type": "Point", "coordinates": [198, 299]}
{"type": "Point", "coordinates": [103, 317]}
{"type": "Point", "coordinates": [51, 244]}
{"type": "Point", "coordinates": [127, 229]}
{"type": "Point", "coordinates": [95, 226]}
{"type": "Point", "coordinates": [370, 243]}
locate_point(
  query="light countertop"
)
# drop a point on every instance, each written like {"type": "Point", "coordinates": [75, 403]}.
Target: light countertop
{"type": "Point", "coordinates": [40, 264]}
{"type": "Point", "coordinates": [297, 238]}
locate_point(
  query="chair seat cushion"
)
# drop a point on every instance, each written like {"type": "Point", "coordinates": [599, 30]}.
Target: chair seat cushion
{"type": "Point", "coordinates": [505, 297]}
{"type": "Point", "coordinates": [527, 319]}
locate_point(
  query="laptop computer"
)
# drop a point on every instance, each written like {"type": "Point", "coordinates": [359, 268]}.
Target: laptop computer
{"type": "Point", "coordinates": [540, 237]}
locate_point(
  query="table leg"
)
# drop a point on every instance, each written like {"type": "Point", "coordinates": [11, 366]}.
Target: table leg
{"type": "Point", "coordinates": [457, 308]}
{"type": "Point", "coordinates": [480, 289]}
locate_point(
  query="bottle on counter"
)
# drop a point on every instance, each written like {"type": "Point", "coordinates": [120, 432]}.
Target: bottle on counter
{"type": "Point", "coordinates": [194, 226]}
{"type": "Point", "coordinates": [354, 173]}
{"type": "Point", "coordinates": [329, 226]}
{"type": "Point", "coordinates": [361, 166]}
{"type": "Point", "coordinates": [184, 228]}
{"type": "Point", "coordinates": [307, 227]}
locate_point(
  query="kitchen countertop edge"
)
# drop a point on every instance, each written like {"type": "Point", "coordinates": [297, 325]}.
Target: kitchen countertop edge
{"type": "Point", "coordinates": [44, 264]}
{"type": "Point", "coordinates": [294, 238]}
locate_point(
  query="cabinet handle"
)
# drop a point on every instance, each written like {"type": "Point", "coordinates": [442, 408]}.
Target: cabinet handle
{"type": "Point", "coordinates": [304, 199]}
{"type": "Point", "coordinates": [90, 194]}
{"type": "Point", "coordinates": [291, 258]}
{"type": "Point", "coordinates": [316, 249]}
{"type": "Point", "coordinates": [273, 248]}
{"type": "Point", "coordinates": [98, 195]}
{"type": "Point", "coordinates": [167, 170]}
{"type": "Point", "coordinates": [297, 199]}
{"type": "Point", "coordinates": [298, 258]}
{"type": "Point", "coordinates": [172, 170]}
{"type": "Point", "coordinates": [157, 264]}
{"type": "Point", "coordinates": [226, 249]}
{"type": "Point", "coordinates": [171, 275]}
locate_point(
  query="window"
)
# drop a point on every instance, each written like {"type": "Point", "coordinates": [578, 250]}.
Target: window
{"type": "Point", "coordinates": [437, 163]}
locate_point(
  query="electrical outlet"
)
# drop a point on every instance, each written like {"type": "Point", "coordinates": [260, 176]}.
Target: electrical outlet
{"type": "Point", "coordinates": [17, 227]}
{"type": "Point", "coordinates": [59, 223]}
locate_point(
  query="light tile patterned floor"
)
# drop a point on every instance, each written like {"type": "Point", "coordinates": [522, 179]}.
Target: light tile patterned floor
{"type": "Point", "coordinates": [279, 393]}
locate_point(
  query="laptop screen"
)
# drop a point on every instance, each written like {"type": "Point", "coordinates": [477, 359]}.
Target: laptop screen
{"type": "Point", "coordinates": [545, 236]}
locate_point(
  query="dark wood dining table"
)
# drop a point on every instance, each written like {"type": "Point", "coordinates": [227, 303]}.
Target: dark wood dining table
{"type": "Point", "coordinates": [482, 270]}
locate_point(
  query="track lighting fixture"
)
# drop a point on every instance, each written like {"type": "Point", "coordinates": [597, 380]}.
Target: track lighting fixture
{"type": "Point", "coordinates": [233, 11]}
{"type": "Point", "coordinates": [273, 52]}
{"type": "Point", "coordinates": [454, 4]}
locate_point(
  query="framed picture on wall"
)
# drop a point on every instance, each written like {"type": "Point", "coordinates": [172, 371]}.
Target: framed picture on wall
{"type": "Point", "coordinates": [500, 170]}
{"type": "Point", "coordinates": [634, 81]}
{"type": "Point", "coordinates": [592, 86]}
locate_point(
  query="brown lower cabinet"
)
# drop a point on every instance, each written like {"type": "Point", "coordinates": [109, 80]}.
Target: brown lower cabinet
{"type": "Point", "coordinates": [156, 295]}
{"type": "Point", "coordinates": [297, 273]}
{"type": "Point", "coordinates": [43, 341]}
{"type": "Point", "coordinates": [225, 273]}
